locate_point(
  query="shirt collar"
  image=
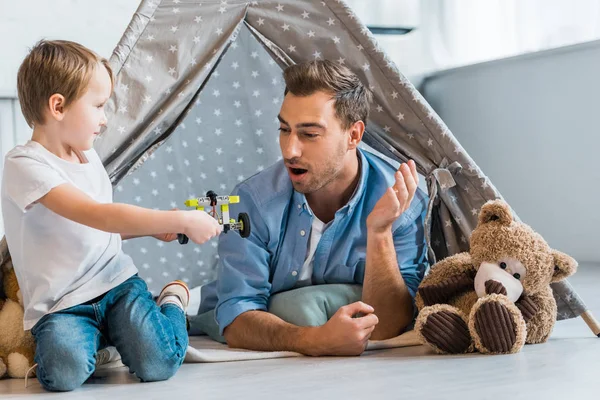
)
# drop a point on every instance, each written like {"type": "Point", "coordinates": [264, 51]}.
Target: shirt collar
{"type": "Point", "coordinates": [300, 203]}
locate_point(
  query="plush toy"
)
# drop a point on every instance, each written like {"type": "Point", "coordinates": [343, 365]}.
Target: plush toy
{"type": "Point", "coordinates": [17, 347]}
{"type": "Point", "coordinates": [497, 297]}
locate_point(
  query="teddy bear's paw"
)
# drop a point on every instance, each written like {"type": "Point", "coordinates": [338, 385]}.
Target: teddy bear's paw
{"type": "Point", "coordinates": [447, 332]}
{"type": "Point", "coordinates": [497, 326]}
{"type": "Point", "coordinates": [18, 366]}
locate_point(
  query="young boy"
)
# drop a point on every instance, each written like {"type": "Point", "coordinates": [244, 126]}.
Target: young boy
{"type": "Point", "coordinates": [81, 293]}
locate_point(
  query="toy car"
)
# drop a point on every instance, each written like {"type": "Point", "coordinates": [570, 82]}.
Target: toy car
{"type": "Point", "coordinates": [242, 225]}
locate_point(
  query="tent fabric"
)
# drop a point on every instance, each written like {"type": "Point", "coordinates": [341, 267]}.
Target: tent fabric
{"type": "Point", "coordinates": [197, 91]}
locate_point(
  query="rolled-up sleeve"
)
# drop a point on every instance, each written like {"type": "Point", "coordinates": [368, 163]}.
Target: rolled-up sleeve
{"type": "Point", "coordinates": [243, 270]}
{"type": "Point", "coordinates": [411, 246]}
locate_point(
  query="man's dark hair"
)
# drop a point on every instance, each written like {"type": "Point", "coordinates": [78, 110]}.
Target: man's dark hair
{"type": "Point", "coordinates": [351, 97]}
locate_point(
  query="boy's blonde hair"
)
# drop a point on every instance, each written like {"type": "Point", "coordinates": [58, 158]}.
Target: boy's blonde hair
{"type": "Point", "coordinates": [51, 67]}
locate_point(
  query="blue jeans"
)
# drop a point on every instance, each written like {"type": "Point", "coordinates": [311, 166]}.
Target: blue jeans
{"type": "Point", "coordinates": [152, 340]}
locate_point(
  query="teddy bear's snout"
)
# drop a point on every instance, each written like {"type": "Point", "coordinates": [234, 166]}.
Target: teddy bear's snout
{"type": "Point", "coordinates": [492, 274]}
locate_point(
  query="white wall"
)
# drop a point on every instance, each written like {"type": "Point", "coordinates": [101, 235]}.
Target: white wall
{"type": "Point", "coordinates": [531, 124]}
{"type": "Point", "coordinates": [96, 24]}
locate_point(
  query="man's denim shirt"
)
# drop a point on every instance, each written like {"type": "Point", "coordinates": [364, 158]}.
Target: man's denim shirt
{"type": "Point", "coordinates": [269, 261]}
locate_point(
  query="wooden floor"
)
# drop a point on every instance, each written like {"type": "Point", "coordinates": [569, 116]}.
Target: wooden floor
{"type": "Point", "coordinates": [567, 366]}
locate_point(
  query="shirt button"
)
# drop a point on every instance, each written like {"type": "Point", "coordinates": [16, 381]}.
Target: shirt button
{"type": "Point", "coordinates": [302, 232]}
{"type": "Point", "coordinates": [294, 273]}
{"type": "Point", "coordinates": [299, 206]}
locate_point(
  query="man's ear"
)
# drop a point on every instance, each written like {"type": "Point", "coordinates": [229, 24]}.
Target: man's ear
{"type": "Point", "coordinates": [56, 105]}
{"type": "Point", "coordinates": [355, 132]}
{"type": "Point", "coordinates": [564, 266]}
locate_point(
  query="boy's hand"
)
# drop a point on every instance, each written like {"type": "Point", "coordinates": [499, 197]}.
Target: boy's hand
{"type": "Point", "coordinates": [199, 226]}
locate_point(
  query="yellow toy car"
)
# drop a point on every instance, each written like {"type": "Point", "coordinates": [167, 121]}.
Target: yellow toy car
{"type": "Point", "coordinates": [212, 200]}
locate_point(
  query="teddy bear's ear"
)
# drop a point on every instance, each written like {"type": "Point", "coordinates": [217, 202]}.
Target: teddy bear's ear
{"type": "Point", "coordinates": [564, 266]}
{"type": "Point", "coordinates": [495, 210]}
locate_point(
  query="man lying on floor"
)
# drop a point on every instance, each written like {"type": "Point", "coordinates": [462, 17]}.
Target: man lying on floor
{"type": "Point", "coordinates": [337, 248]}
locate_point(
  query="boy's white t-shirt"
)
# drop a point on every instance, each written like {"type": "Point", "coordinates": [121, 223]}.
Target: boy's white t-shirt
{"type": "Point", "coordinates": [59, 263]}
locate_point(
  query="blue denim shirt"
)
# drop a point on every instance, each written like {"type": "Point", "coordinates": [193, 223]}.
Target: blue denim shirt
{"type": "Point", "coordinates": [269, 261]}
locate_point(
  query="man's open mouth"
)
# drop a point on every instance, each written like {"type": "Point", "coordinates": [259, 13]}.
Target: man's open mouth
{"type": "Point", "coordinates": [298, 171]}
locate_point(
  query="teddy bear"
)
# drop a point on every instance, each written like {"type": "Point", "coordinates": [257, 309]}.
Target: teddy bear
{"type": "Point", "coordinates": [17, 347]}
{"type": "Point", "coordinates": [496, 297]}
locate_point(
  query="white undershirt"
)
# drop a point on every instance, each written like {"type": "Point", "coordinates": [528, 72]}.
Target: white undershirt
{"type": "Point", "coordinates": [316, 231]}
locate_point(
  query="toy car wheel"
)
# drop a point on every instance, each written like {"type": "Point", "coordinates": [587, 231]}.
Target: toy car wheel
{"type": "Point", "coordinates": [244, 221]}
{"type": "Point", "coordinates": [182, 239]}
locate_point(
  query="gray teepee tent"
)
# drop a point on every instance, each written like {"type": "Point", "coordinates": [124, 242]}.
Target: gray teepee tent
{"type": "Point", "coordinates": [198, 88]}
